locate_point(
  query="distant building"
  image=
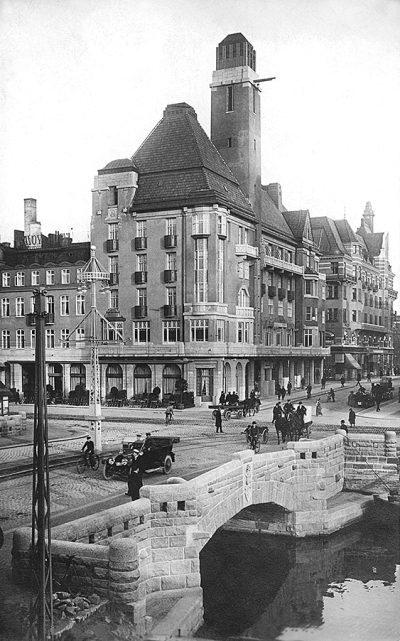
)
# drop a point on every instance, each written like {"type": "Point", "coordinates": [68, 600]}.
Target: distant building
{"type": "Point", "coordinates": [360, 295]}
{"type": "Point", "coordinates": [52, 262]}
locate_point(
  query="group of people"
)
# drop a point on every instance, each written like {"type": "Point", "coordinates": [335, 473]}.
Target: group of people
{"type": "Point", "coordinates": [281, 390]}
{"type": "Point", "coordinates": [230, 398]}
{"type": "Point", "coordinates": [279, 412]}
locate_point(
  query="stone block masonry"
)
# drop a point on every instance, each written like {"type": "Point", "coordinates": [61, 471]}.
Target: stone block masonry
{"type": "Point", "coordinates": [370, 457]}
{"type": "Point", "coordinates": [140, 551]}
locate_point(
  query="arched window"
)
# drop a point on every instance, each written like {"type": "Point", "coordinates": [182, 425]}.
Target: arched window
{"type": "Point", "coordinates": [77, 376]}
{"type": "Point", "coordinates": [142, 379]}
{"type": "Point", "coordinates": [114, 377]}
{"type": "Point", "coordinates": [171, 373]}
{"type": "Point", "coordinates": [239, 377]}
{"type": "Point", "coordinates": [243, 298]}
{"type": "Point", "coordinates": [227, 378]}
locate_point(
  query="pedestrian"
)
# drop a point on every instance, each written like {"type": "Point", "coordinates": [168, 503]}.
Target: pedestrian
{"type": "Point", "coordinates": [19, 397]}
{"type": "Point", "coordinates": [222, 398]}
{"type": "Point", "coordinates": [218, 421]}
{"type": "Point", "coordinates": [342, 381]}
{"type": "Point", "coordinates": [88, 450]}
{"type": "Point", "coordinates": [358, 377]}
{"type": "Point", "coordinates": [369, 377]}
{"type": "Point", "coordinates": [331, 395]}
{"type": "Point", "coordinates": [135, 476]}
{"type": "Point", "coordinates": [283, 393]}
{"type": "Point", "coordinates": [289, 388]}
{"type": "Point", "coordinates": [277, 412]}
{"type": "Point", "coordinates": [228, 398]}
{"type": "Point", "coordinates": [352, 417]}
{"type": "Point", "coordinates": [302, 382]}
{"type": "Point", "coordinates": [378, 397]}
{"type": "Point", "coordinates": [169, 412]}
{"type": "Point", "coordinates": [343, 426]}
{"type": "Point", "coordinates": [308, 389]}
{"type": "Point", "coordinates": [318, 408]}
{"type": "Point", "coordinates": [301, 411]}
{"type": "Point", "coordinates": [278, 391]}
{"type": "Point", "coordinates": [323, 382]}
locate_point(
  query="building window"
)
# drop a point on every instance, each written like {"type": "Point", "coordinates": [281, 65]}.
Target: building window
{"type": "Point", "coordinates": [243, 331]}
{"type": "Point", "coordinates": [5, 307]}
{"type": "Point", "coordinates": [170, 226]}
{"type": "Point", "coordinates": [5, 279]}
{"type": "Point", "coordinates": [19, 307]}
{"type": "Point", "coordinates": [289, 309]}
{"type": "Point", "coordinates": [335, 268]}
{"type": "Point", "coordinates": [50, 340]}
{"type": "Point", "coordinates": [310, 287]}
{"type": "Point", "coordinates": [243, 298]}
{"type": "Point", "coordinates": [308, 338]}
{"type": "Point", "coordinates": [354, 316]}
{"type": "Point", "coordinates": [142, 297]}
{"type": "Point", "coordinates": [64, 305]}
{"type": "Point", "coordinates": [200, 223]}
{"type": "Point", "coordinates": [112, 196]}
{"type": "Point", "coordinates": [141, 228]}
{"type": "Point", "coordinates": [221, 225]}
{"type": "Point", "coordinates": [35, 278]}
{"type": "Point", "coordinates": [114, 299]}
{"type": "Point", "coordinates": [79, 304]}
{"type": "Point", "coordinates": [332, 291]}
{"type": "Point", "coordinates": [142, 262]}
{"type": "Point", "coordinates": [280, 307]}
{"type": "Point", "coordinates": [229, 142]}
{"type": "Point", "coordinates": [220, 331]}
{"type": "Point", "coordinates": [254, 99]}
{"type": "Point", "coordinates": [50, 277]}
{"type": "Point", "coordinates": [243, 235]}
{"type": "Point", "coordinates": [33, 338]}
{"type": "Point", "coordinates": [332, 315]}
{"type": "Point", "coordinates": [171, 331]}
{"type": "Point", "coordinates": [229, 98]}
{"type": "Point", "coordinates": [309, 313]}
{"type": "Point", "coordinates": [32, 304]}
{"type": "Point", "coordinates": [20, 279]}
{"type": "Point", "coordinates": [50, 304]}
{"type": "Point", "coordinates": [270, 306]}
{"type": "Point", "coordinates": [77, 376]}
{"type": "Point", "coordinates": [80, 336]}
{"type": "Point", "coordinates": [171, 296]}
{"type": "Point", "coordinates": [65, 277]}
{"type": "Point", "coordinates": [113, 331]}
{"type": "Point", "coordinates": [141, 332]}
{"type": "Point", "coordinates": [171, 261]}
{"type": "Point", "coordinates": [20, 339]}
{"type": "Point", "coordinates": [113, 231]}
{"type": "Point", "coordinates": [64, 336]}
{"type": "Point", "coordinates": [199, 330]}
{"type": "Point", "coordinates": [201, 270]}
{"type": "Point", "coordinates": [220, 270]}
{"type": "Point", "coordinates": [5, 339]}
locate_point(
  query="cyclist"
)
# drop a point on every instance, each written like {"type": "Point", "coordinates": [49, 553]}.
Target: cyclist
{"type": "Point", "coordinates": [169, 412]}
{"type": "Point", "coordinates": [88, 450]}
{"type": "Point", "coordinates": [254, 435]}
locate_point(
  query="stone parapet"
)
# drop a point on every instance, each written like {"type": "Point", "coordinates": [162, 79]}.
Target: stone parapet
{"type": "Point", "coordinates": [370, 457]}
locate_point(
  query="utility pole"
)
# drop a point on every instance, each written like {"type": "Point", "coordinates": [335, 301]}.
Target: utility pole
{"type": "Point", "coordinates": [42, 607]}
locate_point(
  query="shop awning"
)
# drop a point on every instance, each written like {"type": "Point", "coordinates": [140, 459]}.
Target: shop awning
{"type": "Point", "coordinates": [350, 361]}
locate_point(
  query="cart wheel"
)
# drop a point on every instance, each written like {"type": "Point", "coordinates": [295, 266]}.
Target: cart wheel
{"type": "Point", "coordinates": [227, 414]}
{"type": "Point", "coordinates": [214, 414]}
{"type": "Point", "coordinates": [265, 435]}
{"type": "Point", "coordinates": [167, 464]}
{"type": "Point", "coordinates": [80, 466]}
{"type": "Point", "coordinates": [239, 414]}
{"type": "Point", "coordinates": [95, 462]}
{"type": "Point", "coordinates": [107, 471]}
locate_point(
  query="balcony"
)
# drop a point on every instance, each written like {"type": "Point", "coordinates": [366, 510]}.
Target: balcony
{"type": "Point", "coordinates": [114, 278]}
{"type": "Point", "coordinates": [169, 311]}
{"type": "Point", "coordinates": [284, 265]}
{"type": "Point", "coordinates": [290, 296]}
{"type": "Point", "coordinates": [140, 311]}
{"type": "Point", "coordinates": [140, 278]}
{"type": "Point", "coordinates": [281, 293]}
{"type": "Point", "coordinates": [112, 245]}
{"type": "Point", "coordinates": [170, 241]}
{"type": "Point", "coordinates": [169, 275]}
{"type": "Point", "coordinates": [30, 320]}
{"type": "Point", "coordinates": [245, 312]}
{"type": "Point", "coordinates": [271, 291]}
{"type": "Point", "coordinates": [140, 243]}
{"type": "Point", "coordinates": [246, 250]}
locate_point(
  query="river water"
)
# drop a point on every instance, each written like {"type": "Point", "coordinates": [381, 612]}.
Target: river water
{"type": "Point", "coordinates": [268, 588]}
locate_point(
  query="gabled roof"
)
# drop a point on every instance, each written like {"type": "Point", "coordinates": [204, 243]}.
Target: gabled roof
{"type": "Point", "coordinates": [372, 240]}
{"type": "Point", "coordinates": [272, 220]}
{"type": "Point", "coordinates": [298, 221]}
{"type": "Point", "coordinates": [178, 165]}
{"type": "Point", "coordinates": [346, 233]}
{"type": "Point", "coordinates": [326, 236]}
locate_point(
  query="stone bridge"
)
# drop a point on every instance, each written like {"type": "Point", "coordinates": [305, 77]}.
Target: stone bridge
{"type": "Point", "coordinates": [140, 552]}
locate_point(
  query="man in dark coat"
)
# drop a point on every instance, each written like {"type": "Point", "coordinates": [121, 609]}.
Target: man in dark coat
{"type": "Point", "coordinates": [222, 398]}
{"type": "Point", "coordinates": [135, 477]}
{"type": "Point", "coordinates": [352, 417]}
{"type": "Point", "coordinates": [289, 388]}
{"type": "Point", "coordinates": [276, 412]}
{"type": "Point", "coordinates": [301, 411]}
{"type": "Point", "coordinates": [218, 420]}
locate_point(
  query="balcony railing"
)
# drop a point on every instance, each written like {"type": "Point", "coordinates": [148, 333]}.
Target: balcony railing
{"type": "Point", "coordinates": [271, 291]}
{"type": "Point", "coordinates": [169, 311]}
{"type": "Point", "coordinates": [114, 278]}
{"type": "Point", "coordinates": [140, 242]}
{"type": "Point", "coordinates": [140, 278]}
{"type": "Point", "coordinates": [272, 261]}
{"type": "Point", "coordinates": [112, 245]}
{"type": "Point", "coordinates": [140, 311]}
{"type": "Point", "coordinates": [170, 241]}
{"type": "Point", "coordinates": [246, 250]}
{"type": "Point", "coordinates": [245, 312]}
{"type": "Point", "coordinates": [169, 275]}
{"type": "Point", "coordinates": [281, 293]}
{"type": "Point", "coordinates": [290, 296]}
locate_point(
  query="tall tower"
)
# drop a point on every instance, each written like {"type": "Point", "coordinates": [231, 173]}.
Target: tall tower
{"type": "Point", "coordinates": [368, 217]}
{"type": "Point", "coordinates": [235, 113]}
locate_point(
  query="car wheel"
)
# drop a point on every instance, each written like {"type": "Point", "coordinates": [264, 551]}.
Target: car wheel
{"type": "Point", "coordinates": [227, 414]}
{"type": "Point", "coordinates": [167, 464]}
{"type": "Point", "coordinates": [107, 471]}
{"type": "Point", "coordinates": [240, 414]}
{"type": "Point", "coordinates": [95, 462]}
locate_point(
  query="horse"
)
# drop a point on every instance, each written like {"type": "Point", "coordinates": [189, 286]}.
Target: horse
{"type": "Point", "coordinates": [291, 427]}
{"type": "Point", "coordinates": [283, 428]}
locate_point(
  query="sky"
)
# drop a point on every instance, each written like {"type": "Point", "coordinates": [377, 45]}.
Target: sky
{"type": "Point", "coordinates": [85, 81]}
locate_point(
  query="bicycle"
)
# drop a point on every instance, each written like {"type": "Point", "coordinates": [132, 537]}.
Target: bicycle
{"type": "Point", "coordinates": [255, 443]}
{"type": "Point", "coordinates": [91, 461]}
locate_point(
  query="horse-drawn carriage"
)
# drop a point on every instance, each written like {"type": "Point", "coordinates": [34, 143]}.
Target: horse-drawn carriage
{"type": "Point", "coordinates": [248, 407]}
{"type": "Point", "coordinates": [291, 427]}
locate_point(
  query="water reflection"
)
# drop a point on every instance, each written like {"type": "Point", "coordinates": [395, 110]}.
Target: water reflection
{"type": "Point", "coordinates": [274, 588]}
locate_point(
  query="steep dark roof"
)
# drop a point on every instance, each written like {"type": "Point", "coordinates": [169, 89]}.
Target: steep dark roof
{"type": "Point", "coordinates": [326, 236]}
{"type": "Point", "coordinates": [272, 219]}
{"type": "Point", "coordinates": [179, 166]}
{"type": "Point", "coordinates": [296, 220]}
{"type": "Point", "coordinates": [374, 243]}
{"type": "Point", "coordinates": [346, 233]}
{"type": "Point", "coordinates": [232, 38]}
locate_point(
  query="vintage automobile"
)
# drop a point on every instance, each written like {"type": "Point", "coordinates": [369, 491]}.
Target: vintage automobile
{"type": "Point", "coordinates": [386, 387]}
{"type": "Point", "coordinates": [248, 407]}
{"type": "Point", "coordinates": [157, 453]}
{"type": "Point", "coordinates": [361, 398]}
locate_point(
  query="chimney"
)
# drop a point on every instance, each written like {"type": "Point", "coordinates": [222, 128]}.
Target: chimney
{"type": "Point", "coordinates": [274, 191]}
{"type": "Point", "coordinates": [32, 229]}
